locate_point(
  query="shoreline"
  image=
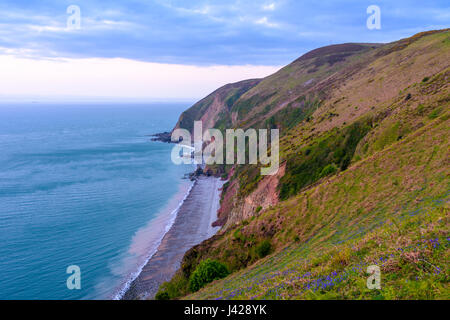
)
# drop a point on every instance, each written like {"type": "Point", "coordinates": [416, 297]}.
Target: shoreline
{"type": "Point", "coordinates": [200, 205]}
{"type": "Point", "coordinates": [123, 288]}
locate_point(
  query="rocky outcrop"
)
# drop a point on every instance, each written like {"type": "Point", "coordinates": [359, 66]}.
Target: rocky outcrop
{"type": "Point", "coordinates": [265, 196]}
{"type": "Point", "coordinates": [162, 137]}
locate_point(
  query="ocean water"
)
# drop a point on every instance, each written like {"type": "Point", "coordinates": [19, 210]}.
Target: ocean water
{"type": "Point", "coordinates": [83, 185]}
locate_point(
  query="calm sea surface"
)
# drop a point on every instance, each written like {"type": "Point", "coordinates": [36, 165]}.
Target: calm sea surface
{"type": "Point", "coordinates": [83, 185]}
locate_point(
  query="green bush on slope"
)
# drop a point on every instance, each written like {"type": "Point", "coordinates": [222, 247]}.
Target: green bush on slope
{"type": "Point", "coordinates": [206, 272]}
{"type": "Point", "coordinates": [329, 169]}
{"type": "Point", "coordinates": [174, 288]}
{"type": "Point", "coordinates": [263, 248]}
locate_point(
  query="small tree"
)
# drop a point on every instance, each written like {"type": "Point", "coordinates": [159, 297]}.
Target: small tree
{"type": "Point", "coordinates": [206, 272]}
{"type": "Point", "coordinates": [263, 248]}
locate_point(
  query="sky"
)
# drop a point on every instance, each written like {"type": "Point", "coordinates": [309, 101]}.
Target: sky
{"type": "Point", "coordinates": [175, 50]}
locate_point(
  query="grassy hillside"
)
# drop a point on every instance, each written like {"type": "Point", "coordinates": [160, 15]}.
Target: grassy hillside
{"type": "Point", "coordinates": [391, 210]}
{"type": "Point", "coordinates": [364, 179]}
{"type": "Point", "coordinates": [300, 85]}
{"type": "Point", "coordinates": [216, 106]}
{"type": "Point", "coordinates": [357, 115]}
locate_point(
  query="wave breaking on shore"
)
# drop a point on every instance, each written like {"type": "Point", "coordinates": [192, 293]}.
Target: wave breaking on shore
{"type": "Point", "coordinates": [190, 224]}
{"type": "Point", "coordinates": [119, 293]}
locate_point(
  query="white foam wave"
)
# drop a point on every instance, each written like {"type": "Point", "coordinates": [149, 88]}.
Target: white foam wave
{"type": "Point", "coordinates": [173, 215]}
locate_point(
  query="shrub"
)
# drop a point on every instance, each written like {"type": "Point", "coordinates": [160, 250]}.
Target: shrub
{"type": "Point", "coordinates": [329, 169]}
{"type": "Point", "coordinates": [174, 288]}
{"type": "Point", "coordinates": [258, 209]}
{"type": "Point", "coordinates": [263, 248]}
{"type": "Point", "coordinates": [341, 258]}
{"type": "Point", "coordinates": [162, 296]}
{"type": "Point", "coordinates": [206, 272]}
{"type": "Point", "coordinates": [435, 113]}
{"type": "Point", "coordinates": [238, 235]}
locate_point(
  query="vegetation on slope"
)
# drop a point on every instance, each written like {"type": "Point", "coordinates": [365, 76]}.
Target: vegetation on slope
{"type": "Point", "coordinates": [366, 180]}
{"type": "Point", "coordinates": [224, 97]}
{"type": "Point", "coordinates": [391, 210]}
{"type": "Point", "coordinates": [322, 158]}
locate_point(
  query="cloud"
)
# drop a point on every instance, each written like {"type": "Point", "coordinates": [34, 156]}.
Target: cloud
{"type": "Point", "coordinates": [269, 7]}
{"type": "Point", "coordinates": [204, 32]}
{"type": "Point", "coordinates": [40, 28]}
{"type": "Point", "coordinates": [265, 22]}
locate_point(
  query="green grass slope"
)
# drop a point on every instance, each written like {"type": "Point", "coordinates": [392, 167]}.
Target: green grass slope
{"type": "Point", "coordinates": [296, 89]}
{"type": "Point", "coordinates": [390, 210]}
{"type": "Point", "coordinates": [384, 97]}
{"type": "Point", "coordinates": [365, 180]}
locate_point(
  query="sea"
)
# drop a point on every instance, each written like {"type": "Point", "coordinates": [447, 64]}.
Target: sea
{"type": "Point", "coordinates": [83, 186]}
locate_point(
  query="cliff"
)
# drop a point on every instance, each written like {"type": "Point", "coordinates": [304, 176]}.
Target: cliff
{"type": "Point", "coordinates": [364, 172]}
{"type": "Point", "coordinates": [215, 110]}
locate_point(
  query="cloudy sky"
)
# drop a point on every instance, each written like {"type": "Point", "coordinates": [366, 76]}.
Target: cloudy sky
{"type": "Point", "coordinates": [163, 49]}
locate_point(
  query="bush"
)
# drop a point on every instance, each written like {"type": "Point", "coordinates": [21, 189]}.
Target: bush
{"type": "Point", "coordinates": [206, 272]}
{"type": "Point", "coordinates": [162, 296]}
{"type": "Point", "coordinates": [238, 235]}
{"type": "Point", "coordinates": [329, 169]}
{"type": "Point", "coordinates": [258, 209]}
{"type": "Point", "coordinates": [435, 113]}
{"type": "Point", "coordinates": [174, 288]}
{"type": "Point", "coordinates": [263, 248]}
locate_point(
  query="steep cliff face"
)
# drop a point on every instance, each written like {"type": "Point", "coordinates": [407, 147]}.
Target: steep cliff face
{"type": "Point", "coordinates": [263, 197]}
{"type": "Point", "coordinates": [215, 110]}
{"type": "Point", "coordinates": [364, 154]}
